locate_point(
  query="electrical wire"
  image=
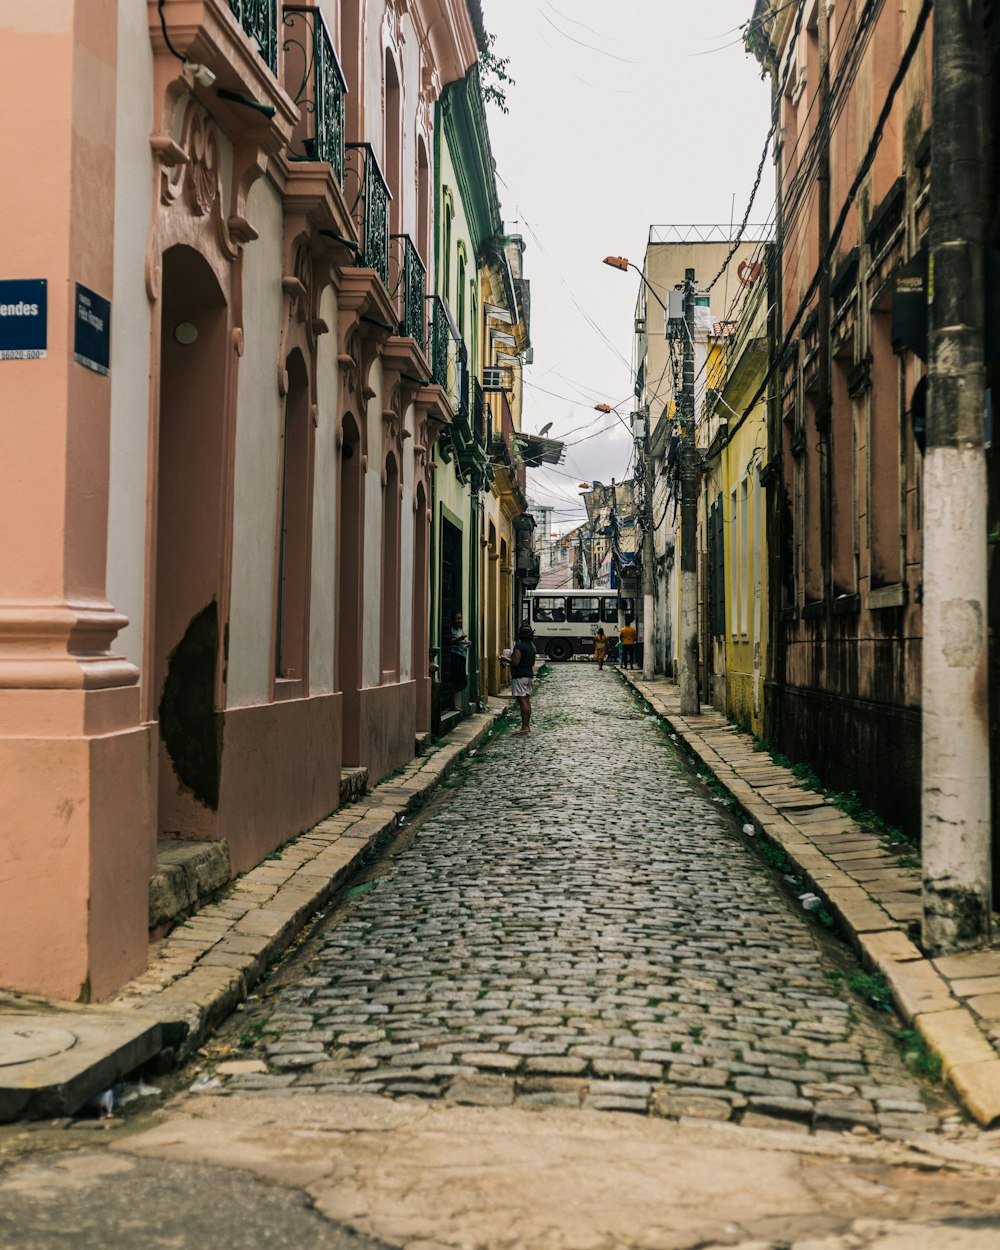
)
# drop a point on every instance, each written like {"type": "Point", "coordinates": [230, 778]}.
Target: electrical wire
{"type": "Point", "coordinates": [862, 173]}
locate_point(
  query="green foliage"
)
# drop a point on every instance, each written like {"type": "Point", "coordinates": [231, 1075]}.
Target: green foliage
{"type": "Point", "coordinates": [774, 855]}
{"type": "Point", "coordinates": [251, 1035]}
{"type": "Point", "coordinates": [873, 988]}
{"type": "Point", "coordinates": [494, 76]}
{"type": "Point", "coordinates": [806, 774]}
{"type": "Point", "coordinates": [755, 37]}
{"type": "Point", "coordinates": [918, 1055]}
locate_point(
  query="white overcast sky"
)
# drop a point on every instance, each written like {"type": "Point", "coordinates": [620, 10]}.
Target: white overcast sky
{"type": "Point", "coordinates": [622, 115]}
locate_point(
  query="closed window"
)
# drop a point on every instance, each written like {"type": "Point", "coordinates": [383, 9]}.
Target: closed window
{"type": "Point", "coordinates": [584, 611]}
{"type": "Point", "coordinates": [611, 611]}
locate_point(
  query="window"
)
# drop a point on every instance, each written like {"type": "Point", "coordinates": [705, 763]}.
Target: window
{"type": "Point", "coordinates": [758, 537]}
{"type": "Point", "coordinates": [446, 229]}
{"type": "Point", "coordinates": [460, 296]}
{"type": "Point", "coordinates": [610, 611]}
{"type": "Point", "coordinates": [717, 552]}
{"type": "Point", "coordinates": [734, 570]}
{"type": "Point", "coordinates": [744, 559]}
{"type": "Point", "coordinates": [584, 611]}
{"type": "Point", "coordinates": [550, 609]}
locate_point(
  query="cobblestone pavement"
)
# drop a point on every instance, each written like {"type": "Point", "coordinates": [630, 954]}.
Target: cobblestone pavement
{"type": "Point", "coordinates": [577, 923]}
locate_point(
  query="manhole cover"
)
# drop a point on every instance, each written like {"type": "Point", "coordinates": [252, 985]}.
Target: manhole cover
{"type": "Point", "coordinates": [23, 1043]}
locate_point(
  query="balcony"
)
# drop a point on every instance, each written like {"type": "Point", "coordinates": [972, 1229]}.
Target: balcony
{"type": "Point", "coordinates": [237, 41]}
{"type": "Point", "coordinates": [315, 81]}
{"type": "Point", "coordinates": [407, 285]}
{"type": "Point", "coordinates": [503, 445]}
{"type": "Point", "coordinates": [449, 361]}
{"type": "Point", "coordinates": [368, 195]}
{"type": "Point", "coordinates": [481, 427]}
{"type": "Point", "coordinates": [439, 343]}
{"type": "Point", "coordinates": [259, 19]}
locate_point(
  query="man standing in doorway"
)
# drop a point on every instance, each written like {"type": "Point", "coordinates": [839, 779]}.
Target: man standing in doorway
{"type": "Point", "coordinates": [459, 646]}
{"type": "Point", "coordinates": [522, 671]}
{"type": "Point", "coordinates": [628, 637]}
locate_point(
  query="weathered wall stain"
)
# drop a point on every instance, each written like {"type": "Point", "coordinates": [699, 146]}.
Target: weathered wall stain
{"type": "Point", "coordinates": [190, 727]}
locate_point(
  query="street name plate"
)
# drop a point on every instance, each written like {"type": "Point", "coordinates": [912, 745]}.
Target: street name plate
{"type": "Point", "coordinates": [92, 330]}
{"type": "Point", "coordinates": [23, 319]}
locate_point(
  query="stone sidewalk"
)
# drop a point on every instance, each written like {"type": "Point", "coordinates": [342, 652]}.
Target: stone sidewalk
{"type": "Point", "coordinates": [953, 1002]}
{"type": "Point", "coordinates": [205, 966]}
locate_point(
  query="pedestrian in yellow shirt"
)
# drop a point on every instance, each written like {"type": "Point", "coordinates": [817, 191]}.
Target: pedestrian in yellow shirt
{"type": "Point", "coordinates": [627, 637]}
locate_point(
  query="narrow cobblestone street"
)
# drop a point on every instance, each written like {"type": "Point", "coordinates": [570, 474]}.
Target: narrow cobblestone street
{"type": "Point", "coordinates": [573, 928]}
{"type": "Point", "coordinates": [578, 922]}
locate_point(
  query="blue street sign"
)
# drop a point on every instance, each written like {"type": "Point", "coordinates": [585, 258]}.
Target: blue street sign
{"type": "Point", "coordinates": [23, 319]}
{"type": "Point", "coordinates": [92, 332]}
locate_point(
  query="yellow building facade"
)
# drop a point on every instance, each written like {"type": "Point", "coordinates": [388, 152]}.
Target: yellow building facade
{"type": "Point", "coordinates": [733, 515]}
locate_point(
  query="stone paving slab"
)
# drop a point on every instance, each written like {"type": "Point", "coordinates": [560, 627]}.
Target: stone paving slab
{"type": "Point", "coordinates": [66, 1053]}
{"type": "Point", "coordinates": [950, 1001]}
{"type": "Point", "coordinates": [207, 965]}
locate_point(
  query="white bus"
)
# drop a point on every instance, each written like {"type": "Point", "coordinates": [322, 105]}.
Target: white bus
{"type": "Point", "coordinates": [565, 622]}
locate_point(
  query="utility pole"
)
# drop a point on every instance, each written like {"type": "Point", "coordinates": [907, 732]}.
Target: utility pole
{"type": "Point", "coordinates": [824, 406]}
{"type": "Point", "coordinates": [643, 457]}
{"type": "Point", "coordinates": [956, 755]}
{"type": "Point", "coordinates": [690, 703]}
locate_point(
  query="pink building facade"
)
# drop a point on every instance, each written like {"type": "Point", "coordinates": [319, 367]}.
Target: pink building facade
{"type": "Point", "coordinates": [214, 549]}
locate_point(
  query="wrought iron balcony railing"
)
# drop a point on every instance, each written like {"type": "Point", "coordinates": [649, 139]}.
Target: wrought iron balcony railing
{"type": "Point", "coordinates": [259, 19]}
{"type": "Point", "coordinates": [449, 361]}
{"type": "Point", "coordinates": [440, 335]}
{"type": "Point", "coordinates": [407, 282]}
{"type": "Point", "coordinates": [462, 412]}
{"type": "Point", "coordinates": [370, 206]}
{"type": "Point", "coordinates": [315, 81]}
{"type": "Point", "coordinates": [480, 426]}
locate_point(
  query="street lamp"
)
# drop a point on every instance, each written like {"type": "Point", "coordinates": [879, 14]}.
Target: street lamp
{"type": "Point", "coordinates": [620, 262]}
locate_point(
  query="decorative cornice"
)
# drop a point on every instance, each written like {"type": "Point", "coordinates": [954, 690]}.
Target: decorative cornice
{"type": "Point", "coordinates": [463, 117]}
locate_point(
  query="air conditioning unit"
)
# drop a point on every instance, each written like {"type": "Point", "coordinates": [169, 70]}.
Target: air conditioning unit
{"type": "Point", "coordinates": [493, 380]}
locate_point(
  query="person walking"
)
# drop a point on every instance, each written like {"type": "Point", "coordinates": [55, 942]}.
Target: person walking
{"type": "Point", "coordinates": [600, 649]}
{"type": "Point", "coordinates": [628, 637]}
{"type": "Point", "coordinates": [459, 647]}
{"type": "Point", "coordinates": [522, 671]}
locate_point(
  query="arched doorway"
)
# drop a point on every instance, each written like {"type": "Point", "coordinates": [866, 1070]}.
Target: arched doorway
{"type": "Point", "coordinates": [189, 477]}
{"type": "Point", "coordinates": [421, 618]}
{"type": "Point", "coordinates": [349, 585]}
{"type": "Point", "coordinates": [391, 543]}
{"type": "Point", "coordinates": [492, 588]}
{"type": "Point", "coordinates": [507, 638]}
{"type": "Point", "coordinates": [293, 531]}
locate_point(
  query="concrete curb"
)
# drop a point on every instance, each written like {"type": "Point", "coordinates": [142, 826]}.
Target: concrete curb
{"type": "Point", "coordinates": [840, 861]}
{"type": "Point", "coordinates": [208, 964]}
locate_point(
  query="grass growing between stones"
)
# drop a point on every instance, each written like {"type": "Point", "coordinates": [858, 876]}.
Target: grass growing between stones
{"type": "Point", "coordinates": [873, 988]}
{"type": "Point", "coordinates": [918, 1056]}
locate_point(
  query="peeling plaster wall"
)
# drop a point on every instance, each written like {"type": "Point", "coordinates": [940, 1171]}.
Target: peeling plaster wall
{"type": "Point", "coordinates": [255, 493]}
{"type": "Point", "coordinates": [130, 331]}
